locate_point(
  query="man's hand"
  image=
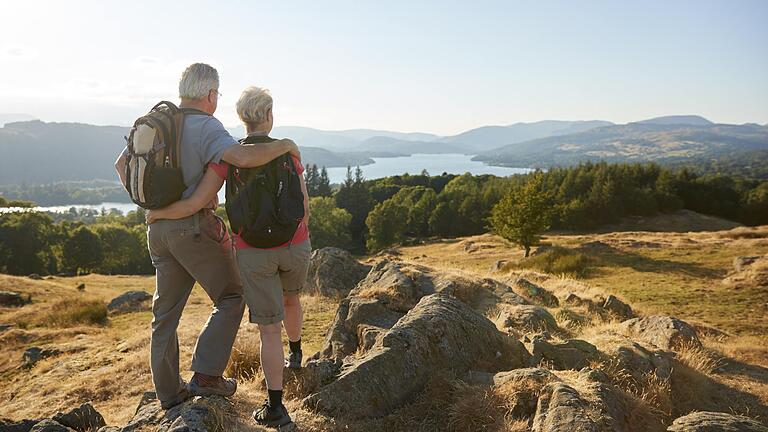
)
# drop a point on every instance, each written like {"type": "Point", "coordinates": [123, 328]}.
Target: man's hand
{"type": "Point", "coordinates": [151, 217]}
{"type": "Point", "coordinates": [293, 149]}
{"type": "Point", "coordinates": [253, 155]}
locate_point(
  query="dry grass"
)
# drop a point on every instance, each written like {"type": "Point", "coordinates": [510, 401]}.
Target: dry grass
{"type": "Point", "coordinates": [72, 312]}
{"type": "Point", "coordinates": [245, 362]}
{"type": "Point", "coordinates": [699, 358]}
{"type": "Point", "coordinates": [108, 364]}
{"type": "Point", "coordinates": [476, 408]}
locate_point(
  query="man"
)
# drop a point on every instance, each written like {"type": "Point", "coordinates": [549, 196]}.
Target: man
{"type": "Point", "coordinates": [198, 248]}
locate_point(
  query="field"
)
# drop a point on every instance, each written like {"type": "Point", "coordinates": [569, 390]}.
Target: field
{"type": "Point", "coordinates": [106, 361]}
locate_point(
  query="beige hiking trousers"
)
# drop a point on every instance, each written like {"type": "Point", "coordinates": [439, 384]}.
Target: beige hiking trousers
{"type": "Point", "coordinates": [196, 248]}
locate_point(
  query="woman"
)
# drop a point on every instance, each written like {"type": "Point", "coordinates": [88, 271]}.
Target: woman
{"type": "Point", "coordinates": [272, 278]}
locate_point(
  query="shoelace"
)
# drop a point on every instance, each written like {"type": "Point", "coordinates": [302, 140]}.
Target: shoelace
{"type": "Point", "coordinates": [262, 412]}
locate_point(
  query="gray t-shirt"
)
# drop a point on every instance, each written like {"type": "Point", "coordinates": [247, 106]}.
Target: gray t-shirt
{"type": "Point", "coordinates": [203, 141]}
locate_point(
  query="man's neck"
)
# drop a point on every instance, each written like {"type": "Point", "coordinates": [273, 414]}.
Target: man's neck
{"type": "Point", "coordinates": [198, 105]}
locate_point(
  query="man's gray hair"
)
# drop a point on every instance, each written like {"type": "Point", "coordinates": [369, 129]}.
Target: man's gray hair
{"type": "Point", "coordinates": [197, 81]}
{"type": "Point", "coordinates": [253, 105]}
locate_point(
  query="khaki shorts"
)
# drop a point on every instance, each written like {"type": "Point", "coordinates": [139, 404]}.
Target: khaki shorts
{"type": "Point", "coordinates": [269, 273]}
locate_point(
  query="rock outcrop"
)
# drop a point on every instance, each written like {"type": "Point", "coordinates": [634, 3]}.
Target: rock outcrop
{"type": "Point", "coordinates": [572, 354]}
{"type": "Point", "coordinates": [537, 294]}
{"type": "Point", "coordinates": [17, 426]}
{"type": "Point", "coordinates": [34, 354]}
{"type": "Point", "coordinates": [562, 409]}
{"type": "Point", "coordinates": [13, 299]}
{"type": "Point", "coordinates": [706, 421]}
{"type": "Point", "coordinates": [527, 318]}
{"type": "Point", "coordinates": [378, 301]}
{"type": "Point", "coordinates": [84, 418]}
{"type": "Point", "coordinates": [49, 425]}
{"type": "Point", "coordinates": [664, 332]}
{"type": "Point", "coordinates": [333, 272]}
{"type": "Point", "coordinates": [130, 301]}
{"type": "Point", "coordinates": [441, 333]}
{"type": "Point", "coordinates": [618, 308]}
{"type": "Point", "coordinates": [199, 414]}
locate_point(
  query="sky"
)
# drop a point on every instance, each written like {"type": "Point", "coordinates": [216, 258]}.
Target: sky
{"type": "Point", "coordinates": [431, 66]}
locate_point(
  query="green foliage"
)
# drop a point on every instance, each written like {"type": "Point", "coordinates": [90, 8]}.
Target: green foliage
{"type": "Point", "coordinates": [15, 203]}
{"type": "Point", "coordinates": [354, 197]}
{"type": "Point", "coordinates": [558, 261]}
{"type": "Point", "coordinates": [387, 224]}
{"type": "Point", "coordinates": [124, 249]}
{"type": "Point", "coordinates": [523, 214]}
{"type": "Point", "coordinates": [82, 251]}
{"type": "Point", "coordinates": [26, 241]}
{"type": "Point", "coordinates": [328, 224]}
{"type": "Point", "coordinates": [318, 183]}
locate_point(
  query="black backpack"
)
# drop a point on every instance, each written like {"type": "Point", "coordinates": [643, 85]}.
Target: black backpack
{"type": "Point", "coordinates": [265, 204]}
{"type": "Point", "coordinates": [153, 175]}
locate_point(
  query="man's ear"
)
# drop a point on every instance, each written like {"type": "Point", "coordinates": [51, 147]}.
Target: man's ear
{"type": "Point", "coordinates": [211, 96]}
{"type": "Point", "coordinates": [269, 115]}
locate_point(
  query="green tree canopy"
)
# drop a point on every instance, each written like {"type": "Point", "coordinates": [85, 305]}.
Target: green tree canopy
{"type": "Point", "coordinates": [82, 251]}
{"type": "Point", "coordinates": [522, 215]}
{"type": "Point", "coordinates": [328, 224]}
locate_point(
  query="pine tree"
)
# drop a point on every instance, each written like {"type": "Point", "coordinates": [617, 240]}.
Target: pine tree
{"type": "Point", "coordinates": [522, 215]}
{"type": "Point", "coordinates": [324, 184]}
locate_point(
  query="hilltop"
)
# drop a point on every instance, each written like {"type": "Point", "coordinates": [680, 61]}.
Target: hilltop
{"type": "Point", "coordinates": [554, 339]}
{"type": "Point", "coordinates": [672, 139]}
{"type": "Point", "coordinates": [39, 152]}
{"type": "Point", "coordinates": [656, 140]}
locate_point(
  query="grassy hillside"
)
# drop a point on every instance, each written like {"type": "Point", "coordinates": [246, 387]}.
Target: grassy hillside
{"type": "Point", "coordinates": [681, 274]}
{"type": "Point", "coordinates": [633, 142]}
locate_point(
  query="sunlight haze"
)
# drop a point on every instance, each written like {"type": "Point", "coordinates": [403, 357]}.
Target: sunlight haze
{"type": "Point", "coordinates": [439, 67]}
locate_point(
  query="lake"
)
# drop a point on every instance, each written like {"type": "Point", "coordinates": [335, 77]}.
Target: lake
{"type": "Point", "coordinates": [435, 164]}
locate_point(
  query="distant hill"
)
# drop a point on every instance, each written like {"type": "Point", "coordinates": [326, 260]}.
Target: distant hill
{"type": "Point", "coordinates": [380, 142]}
{"type": "Point", "coordinates": [13, 117]}
{"type": "Point", "coordinates": [633, 142]}
{"type": "Point", "coordinates": [39, 152]}
{"type": "Point", "coordinates": [346, 139]}
{"type": "Point", "coordinates": [403, 147]}
{"type": "Point", "coordinates": [490, 137]}
{"type": "Point", "coordinates": [690, 120]}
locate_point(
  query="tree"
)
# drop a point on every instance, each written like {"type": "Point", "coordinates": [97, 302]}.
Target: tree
{"type": "Point", "coordinates": [26, 240]}
{"type": "Point", "coordinates": [324, 184]}
{"type": "Point", "coordinates": [328, 224]}
{"type": "Point", "coordinates": [82, 251]}
{"type": "Point", "coordinates": [311, 179]}
{"type": "Point", "coordinates": [387, 224]}
{"type": "Point", "coordinates": [441, 221]}
{"type": "Point", "coordinates": [124, 251]}
{"type": "Point", "coordinates": [354, 197]}
{"type": "Point", "coordinates": [522, 215]}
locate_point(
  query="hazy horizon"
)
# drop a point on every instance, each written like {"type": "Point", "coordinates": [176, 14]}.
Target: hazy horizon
{"type": "Point", "coordinates": [440, 68]}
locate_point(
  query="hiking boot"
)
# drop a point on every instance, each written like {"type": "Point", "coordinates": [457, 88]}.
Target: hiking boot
{"type": "Point", "coordinates": [272, 416]}
{"type": "Point", "coordinates": [219, 386]}
{"type": "Point", "coordinates": [181, 397]}
{"type": "Point", "coordinates": [294, 360]}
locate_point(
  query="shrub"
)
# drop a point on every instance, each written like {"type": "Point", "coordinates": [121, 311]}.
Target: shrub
{"type": "Point", "coordinates": [558, 261]}
{"type": "Point", "coordinates": [73, 312]}
{"type": "Point", "coordinates": [245, 362]}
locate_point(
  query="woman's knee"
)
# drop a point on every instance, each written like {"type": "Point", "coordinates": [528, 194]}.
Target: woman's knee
{"type": "Point", "coordinates": [271, 328]}
{"type": "Point", "coordinates": [291, 300]}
